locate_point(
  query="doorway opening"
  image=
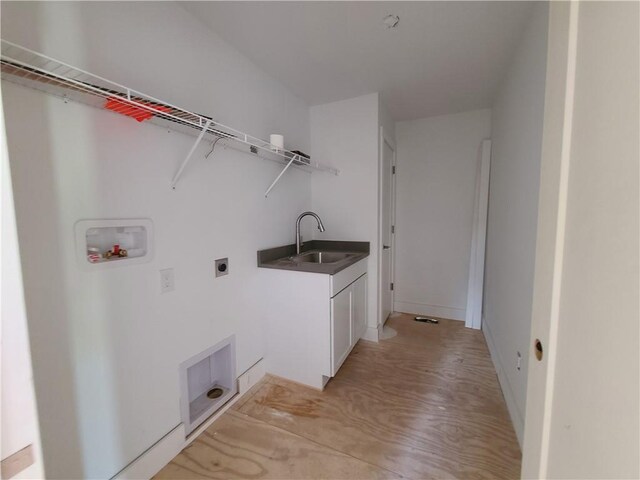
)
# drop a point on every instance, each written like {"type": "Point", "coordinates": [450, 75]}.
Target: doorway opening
{"type": "Point", "coordinates": [386, 238]}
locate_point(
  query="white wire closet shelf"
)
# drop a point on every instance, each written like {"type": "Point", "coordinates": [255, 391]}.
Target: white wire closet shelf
{"type": "Point", "coordinates": [35, 70]}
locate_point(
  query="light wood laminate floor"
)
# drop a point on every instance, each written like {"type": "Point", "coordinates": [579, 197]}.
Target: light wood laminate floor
{"type": "Point", "coordinates": [425, 404]}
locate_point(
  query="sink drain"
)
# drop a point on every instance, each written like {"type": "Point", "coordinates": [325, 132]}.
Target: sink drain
{"type": "Point", "coordinates": [215, 393]}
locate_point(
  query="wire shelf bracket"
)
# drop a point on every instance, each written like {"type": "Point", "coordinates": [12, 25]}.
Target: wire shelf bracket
{"type": "Point", "coordinates": [176, 177]}
{"type": "Point", "coordinates": [34, 70]}
{"type": "Point", "coordinates": [266, 194]}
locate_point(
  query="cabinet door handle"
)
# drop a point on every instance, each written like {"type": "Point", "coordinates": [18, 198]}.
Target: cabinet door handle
{"type": "Point", "coordinates": [386, 247]}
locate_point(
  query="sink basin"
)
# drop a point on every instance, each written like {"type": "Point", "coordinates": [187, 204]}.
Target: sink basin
{"type": "Point", "coordinates": [322, 257]}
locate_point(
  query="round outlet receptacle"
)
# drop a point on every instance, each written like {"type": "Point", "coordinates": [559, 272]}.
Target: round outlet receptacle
{"type": "Point", "coordinates": [222, 267]}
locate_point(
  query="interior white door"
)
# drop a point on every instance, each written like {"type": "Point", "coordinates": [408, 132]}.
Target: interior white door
{"type": "Point", "coordinates": [583, 381]}
{"type": "Point", "coordinates": [387, 194]}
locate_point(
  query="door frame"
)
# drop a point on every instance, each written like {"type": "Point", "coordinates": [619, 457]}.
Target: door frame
{"type": "Point", "coordinates": [384, 138]}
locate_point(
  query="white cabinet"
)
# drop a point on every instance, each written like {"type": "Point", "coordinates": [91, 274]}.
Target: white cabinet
{"type": "Point", "coordinates": [314, 320]}
{"type": "Point", "coordinates": [348, 320]}
{"type": "Point", "coordinates": [359, 301]}
{"type": "Point", "coordinates": [341, 328]}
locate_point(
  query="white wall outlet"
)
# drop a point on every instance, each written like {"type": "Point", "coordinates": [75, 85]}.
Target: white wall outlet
{"type": "Point", "coordinates": [518, 366]}
{"type": "Point", "coordinates": [166, 280]}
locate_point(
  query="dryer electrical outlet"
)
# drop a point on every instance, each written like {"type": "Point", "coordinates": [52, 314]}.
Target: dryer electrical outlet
{"type": "Point", "coordinates": [222, 267]}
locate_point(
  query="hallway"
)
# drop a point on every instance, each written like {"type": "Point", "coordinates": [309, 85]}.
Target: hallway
{"type": "Point", "coordinates": [424, 404]}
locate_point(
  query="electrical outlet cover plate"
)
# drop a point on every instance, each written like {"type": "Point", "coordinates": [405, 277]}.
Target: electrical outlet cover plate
{"type": "Point", "coordinates": [167, 283]}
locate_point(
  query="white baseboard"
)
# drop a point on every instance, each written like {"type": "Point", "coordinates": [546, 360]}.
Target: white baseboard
{"type": "Point", "coordinates": [514, 412]}
{"type": "Point", "coordinates": [156, 457]}
{"type": "Point", "coordinates": [163, 451]}
{"type": "Point", "coordinates": [370, 334]}
{"type": "Point", "coordinates": [251, 377]}
{"type": "Point", "coordinates": [452, 313]}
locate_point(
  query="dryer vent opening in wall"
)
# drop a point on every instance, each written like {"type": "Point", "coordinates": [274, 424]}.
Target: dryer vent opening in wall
{"type": "Point", "coordinates": [208, 381]}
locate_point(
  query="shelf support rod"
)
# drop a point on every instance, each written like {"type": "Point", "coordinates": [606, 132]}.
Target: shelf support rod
{"type": "Point", "coordinates": [278, 177]}
{"type": "Point", "coordinates": [176, 177]}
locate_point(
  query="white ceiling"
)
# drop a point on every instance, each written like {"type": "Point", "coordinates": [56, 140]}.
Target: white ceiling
{"type": "Point", "coordinates": [443, 57]}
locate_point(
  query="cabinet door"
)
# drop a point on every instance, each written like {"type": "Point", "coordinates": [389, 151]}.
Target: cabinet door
{"type": "Point", "coordinates": [341, 314]}
{"type": "Point", "coordinates": [359, 301]}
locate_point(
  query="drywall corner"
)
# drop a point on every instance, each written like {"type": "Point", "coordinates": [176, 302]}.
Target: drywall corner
{"type": "Point", "coordinates": [344, 134]}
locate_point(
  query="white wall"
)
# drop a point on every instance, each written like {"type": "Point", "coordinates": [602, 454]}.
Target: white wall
{"type": "Point", "coordinates": [106, 344]}
{"type": "Point", "coordinates": [513, 205]}
{"type": "Point", "coordinates": [19, 426]}
{"type": "Point", "coordinates": [435, 183]}
{"type": "Point", "coordinates": [345, 135]}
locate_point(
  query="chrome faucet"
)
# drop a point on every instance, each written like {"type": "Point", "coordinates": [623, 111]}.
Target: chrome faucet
{"type": "Point", "coordinates": [302, 215]}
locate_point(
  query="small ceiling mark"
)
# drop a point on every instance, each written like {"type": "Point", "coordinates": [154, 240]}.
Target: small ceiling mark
{"type": "Point", "coordinates": [390, 21]}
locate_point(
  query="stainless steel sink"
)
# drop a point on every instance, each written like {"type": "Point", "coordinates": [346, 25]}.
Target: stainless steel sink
{"type": "Point", "coordinates": [322, 257]}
